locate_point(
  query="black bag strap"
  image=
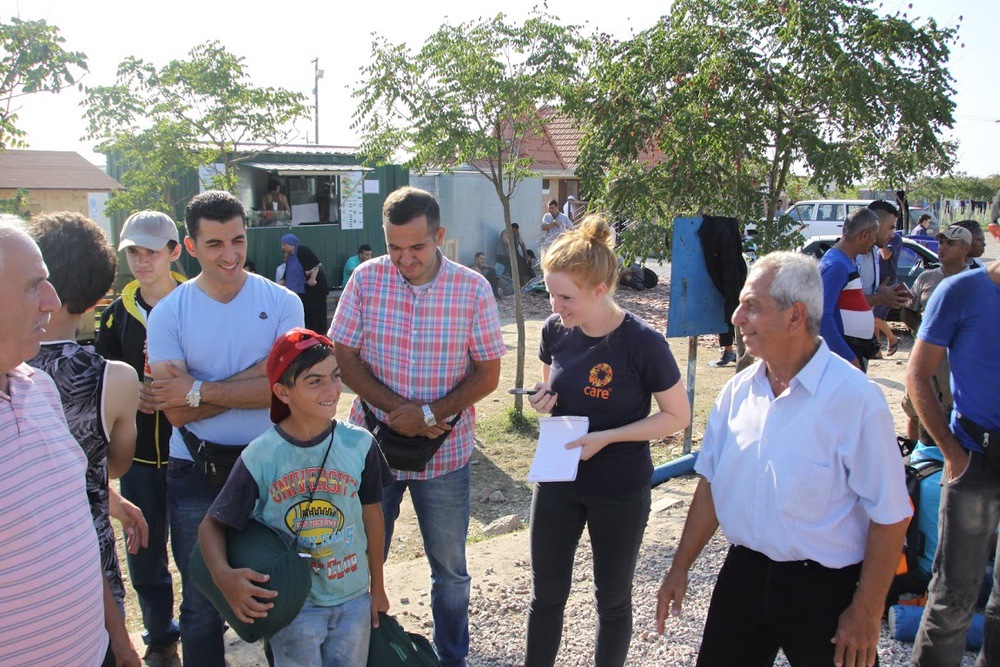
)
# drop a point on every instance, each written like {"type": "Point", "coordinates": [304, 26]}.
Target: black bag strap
{"type": "Point", "coordinates": [312, 491]}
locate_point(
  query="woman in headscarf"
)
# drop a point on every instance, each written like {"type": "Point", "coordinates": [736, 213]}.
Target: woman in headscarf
{"type": "Point", "coordinates": [304, 276]}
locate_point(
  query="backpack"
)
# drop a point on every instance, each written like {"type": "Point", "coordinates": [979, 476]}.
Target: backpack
{"type": "Point", "coordinates": [392, 646]}
{"type": "Point", "coordinates": [910, 579]}
{"type": "Point", "coordinates": [650, 279]}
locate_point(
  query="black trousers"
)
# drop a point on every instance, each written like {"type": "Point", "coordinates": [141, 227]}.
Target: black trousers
{"type": "Point", "coordinates": [760, 605]}
{"type": "Point", "coordinates": [616, 524]}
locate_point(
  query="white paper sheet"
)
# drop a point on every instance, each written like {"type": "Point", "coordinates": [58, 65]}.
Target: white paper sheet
{"type": "Point", "coordinates": [553, 462]}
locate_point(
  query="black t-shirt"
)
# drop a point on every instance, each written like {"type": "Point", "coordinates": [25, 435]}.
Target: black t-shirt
{"type": "Point", "coordinates": [611, 381]}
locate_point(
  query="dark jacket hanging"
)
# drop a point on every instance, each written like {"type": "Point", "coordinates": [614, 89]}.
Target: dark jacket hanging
{"type": "Point", "coordinates": [723, 247]}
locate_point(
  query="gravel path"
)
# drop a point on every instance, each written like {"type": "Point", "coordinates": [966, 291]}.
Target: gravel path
{"type": "Point", "coordinates": [501, 592]}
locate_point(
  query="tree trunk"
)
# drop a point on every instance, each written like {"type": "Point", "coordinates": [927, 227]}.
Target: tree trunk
{"type": "Point", "coordinates": [518, 303]}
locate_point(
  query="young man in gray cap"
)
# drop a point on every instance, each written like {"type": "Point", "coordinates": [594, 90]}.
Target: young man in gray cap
{"type": "Point", "coordinates": [151, 243]}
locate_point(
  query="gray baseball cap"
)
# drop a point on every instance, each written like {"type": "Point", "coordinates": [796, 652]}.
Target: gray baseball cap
{"type": "Point", "coordinates": [148, 229]}
{"type": "Point", "coordinates": [955, 233]}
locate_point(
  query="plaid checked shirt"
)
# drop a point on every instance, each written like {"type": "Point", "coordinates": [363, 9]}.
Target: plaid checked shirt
{"type": "Point", "coordinates": [421, 341]}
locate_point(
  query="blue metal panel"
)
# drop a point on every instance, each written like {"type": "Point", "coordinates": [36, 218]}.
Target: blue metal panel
{"type": "Point", "coordinates": [696, 306]}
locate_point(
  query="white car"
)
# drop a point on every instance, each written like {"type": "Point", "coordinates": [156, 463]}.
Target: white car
{"type": "Point", "coordinates": [821, 217]}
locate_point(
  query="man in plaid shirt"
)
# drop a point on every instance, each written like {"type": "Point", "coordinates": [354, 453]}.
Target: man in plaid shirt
{"type": "Point", "coordinates": [417, 337]}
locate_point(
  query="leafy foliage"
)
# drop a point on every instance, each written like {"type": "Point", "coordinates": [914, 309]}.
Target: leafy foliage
{"type": "Point", "coordinates": [469, 96]}
{"type": "Point", "coordinates": [32, 60]}
{"type": "Point", "coordinates": [16, 205]}
{"type": "Point", "coordinates": [955, 186]}
{"type": "Point", "coordinates": [190, 113]}
{"type": "Point", "coordinates": [710, 108]}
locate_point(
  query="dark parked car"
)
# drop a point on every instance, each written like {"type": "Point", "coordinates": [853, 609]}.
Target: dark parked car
{"type": "Point", "coordinates": [914, 259]}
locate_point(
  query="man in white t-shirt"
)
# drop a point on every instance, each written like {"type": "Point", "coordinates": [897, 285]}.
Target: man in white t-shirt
{"type": "Point", "coordinates": [554, 223]}
{"type": "Point", "coordinates": [208, 341]}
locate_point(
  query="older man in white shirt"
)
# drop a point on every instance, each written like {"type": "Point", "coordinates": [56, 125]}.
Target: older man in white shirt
{"type": "Point", "coordinates": [800, 468]}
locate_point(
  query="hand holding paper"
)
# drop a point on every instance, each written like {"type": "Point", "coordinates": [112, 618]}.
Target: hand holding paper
{"type": "Point", "coordinates": [589, 444]}
{"type": "Point", "coordinates": [554, 462]}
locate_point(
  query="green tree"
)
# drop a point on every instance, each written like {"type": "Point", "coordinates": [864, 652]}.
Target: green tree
{"type": "Point", "coordinates": [711, 107]}
{"type": "Point", "coordinates": [470, 97]}
{"type": "Point", "coordinates": [200, 111]}
{"type": "Point", "coordinates": [32, 60]}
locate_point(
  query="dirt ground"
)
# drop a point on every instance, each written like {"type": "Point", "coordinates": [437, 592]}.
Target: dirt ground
{"type": "Point", "coordinates": [503, 455]}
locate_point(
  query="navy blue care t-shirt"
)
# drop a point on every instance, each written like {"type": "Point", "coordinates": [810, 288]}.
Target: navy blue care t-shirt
{"type": "Point", "coordinates": [611, 381]}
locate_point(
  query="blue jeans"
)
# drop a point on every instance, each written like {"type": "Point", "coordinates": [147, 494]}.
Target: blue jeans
{"type": "Point", "coordinates": [146, 486]}
{"type": "Point", "coordinates": [326, 636]}
{"type": "Point", "coordinates": [189, 495]}
{"type": "Point", "coordinates": [442, 507]}
{"type": "Point", "coordinates": [970, 511]}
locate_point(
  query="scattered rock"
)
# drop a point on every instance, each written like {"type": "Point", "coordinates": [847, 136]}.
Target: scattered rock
{"type": "Point", "coordinates": [497, 497]}
{"type": "Point", "coordinates": [665, 503]}
{"type": "Point", "coordinates": [503, 525]}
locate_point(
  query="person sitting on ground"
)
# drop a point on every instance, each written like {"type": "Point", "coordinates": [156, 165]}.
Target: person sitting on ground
{"type": "Point", "coordinates": [631, 276]}
{"type": "Point", "coordinates": [488, 272]}
{"type": "Point", "coordinates": [348, 590]}
{"type": "Point", "coordinates": [364, 254]}
{"type": "Point", "coordinates": [921, 227]}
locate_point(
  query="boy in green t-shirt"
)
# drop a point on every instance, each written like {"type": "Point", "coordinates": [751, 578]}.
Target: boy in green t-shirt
{"type": "Point", "coordinates": [308, 453]}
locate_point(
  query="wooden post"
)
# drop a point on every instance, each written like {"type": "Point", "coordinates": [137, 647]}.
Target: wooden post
{"type": "Point", "coordinates": [692, 366]}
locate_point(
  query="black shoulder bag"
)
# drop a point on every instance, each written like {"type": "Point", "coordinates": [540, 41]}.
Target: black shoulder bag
{"type": "Point", "coordinates": [403, 452]}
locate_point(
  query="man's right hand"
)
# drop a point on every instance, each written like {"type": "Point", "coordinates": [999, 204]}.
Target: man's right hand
{"type": "Point", "coordinates": [670, 596]}
{"type": "Point", "coordinates": [892, 296]}
{"type": "Point", "coordinates": [146, 400]}
{"type": "Point", "coordinates": [240, 591]}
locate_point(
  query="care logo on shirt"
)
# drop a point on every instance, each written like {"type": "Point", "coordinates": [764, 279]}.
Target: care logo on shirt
{"type": "Point", "coordinates": [600, 377]}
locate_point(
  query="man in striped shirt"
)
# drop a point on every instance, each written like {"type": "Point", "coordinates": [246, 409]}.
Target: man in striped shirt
{"type": "Point", "coordinates": [418, 339]}
{"type": "Point", "coordinates": [848, 325]}
{"type": "Point", "coordinates": [55, 602]}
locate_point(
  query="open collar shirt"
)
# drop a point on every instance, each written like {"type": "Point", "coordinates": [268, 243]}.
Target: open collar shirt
{"type": "Point", "coordinates": [51, 590]}
{"type": "Point", "coordinates": [800, 476]}
{"type": "Point", "coordinates": [421, 341]}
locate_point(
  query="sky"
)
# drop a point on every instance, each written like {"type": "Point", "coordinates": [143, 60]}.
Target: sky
{"type": "Point", "coordinates": [279, 43]}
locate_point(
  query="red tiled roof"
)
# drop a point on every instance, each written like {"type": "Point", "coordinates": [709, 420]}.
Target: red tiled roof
{"type": "Point", "coordinates": [52, 170]}
{"type": "Point", "coordinates": [564, 136]}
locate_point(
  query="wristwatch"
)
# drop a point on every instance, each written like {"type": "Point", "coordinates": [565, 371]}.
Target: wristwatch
{"type": "Point", "coordinates": [194, 396]}
{"type": "Point", "coordinates": [429, 417]}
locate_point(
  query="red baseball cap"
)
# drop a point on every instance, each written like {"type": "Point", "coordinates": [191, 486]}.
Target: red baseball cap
{"type": "Point", "coordinates": [285, 350]}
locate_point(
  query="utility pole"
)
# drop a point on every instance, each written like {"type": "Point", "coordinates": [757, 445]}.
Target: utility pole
{"type": "Point", "coordinates": [317, 74]}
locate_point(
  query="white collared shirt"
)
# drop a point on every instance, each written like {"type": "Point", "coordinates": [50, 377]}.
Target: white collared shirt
{"type": "Point", "coordinates": [799, 476]}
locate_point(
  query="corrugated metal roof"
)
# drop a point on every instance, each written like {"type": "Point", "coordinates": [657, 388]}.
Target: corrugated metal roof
{"type": "Point", "coordinates": [306, 168]}
{"type": "Point", "coordinates": [52, 170]}
{"type": "Point", "coordinates": [300, 149]}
